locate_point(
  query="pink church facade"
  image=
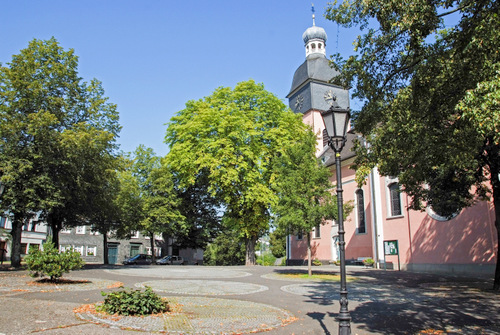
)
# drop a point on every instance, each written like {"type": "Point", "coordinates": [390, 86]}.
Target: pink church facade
{"type": "Point", "coordinates": [466, 243]}
{"type": "Point", "coordinates": [380, 218]}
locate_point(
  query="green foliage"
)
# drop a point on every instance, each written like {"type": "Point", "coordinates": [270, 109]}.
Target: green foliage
{"type": "Point", "coordinates": [232, 137]}
{"type": "Point", "coordinates": [303, 187]}
{"type": "Point", "coordinates": [52, 263]}
{"type": "Point", "coordinates": [147, 197]}
{"type": "Point", "coordinates": [228, 248]}
{"type": "Point", "coordinates": [266, 259]}
{"type": "Point", "coordinates": [133, 302]}
{"type": "Point", "coordinates": [431, 95]}
{"type": "Point", "coordinates": [201, 211]}
{"type": "Point", "coordinates": [368, 261]}
{"type": "Point", "coordinates": [317, 262]}
{"type": "Point", "coordinates": [277, 241]}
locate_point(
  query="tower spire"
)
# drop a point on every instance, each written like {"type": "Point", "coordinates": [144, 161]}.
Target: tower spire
{"type": "Point", "coordinates": [314, 38]}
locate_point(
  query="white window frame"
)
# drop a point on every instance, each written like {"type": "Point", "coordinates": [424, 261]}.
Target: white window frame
{"type": "Point", "coordinates": [134, 234]}
{"type": "Point", "coordinates": [80, 230]}
{"type": "Point", "coordinates": [91, 251]}
{"type": "Point", "coordinates": [388, 183]}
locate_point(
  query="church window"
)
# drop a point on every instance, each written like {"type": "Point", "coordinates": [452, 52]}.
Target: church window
{"type": "Point", "coordinates": [395, 199]}
{"type": "Point", "coordinates": [313, 46]}
{"type": "Point", "coordinates": [360, 212]}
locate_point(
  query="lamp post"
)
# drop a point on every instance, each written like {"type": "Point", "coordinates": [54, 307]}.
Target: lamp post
{"type": "Point", "coordinates": [336, 123]}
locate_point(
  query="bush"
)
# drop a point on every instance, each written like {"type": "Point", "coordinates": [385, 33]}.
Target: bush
{"type": "Point", "coordinates": [52, 263]}
{"type": "Point", "coordinates": [368, 262]}
{"type": "Point", "coordinates": [266, 260]}
{"type": "Point", "coordinates": [317, 262]}
{"type": "Point", "coordinates": [133, 302]}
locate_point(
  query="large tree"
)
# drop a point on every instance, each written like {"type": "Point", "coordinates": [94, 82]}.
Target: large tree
{"type": "Point", "coordinates": [304, 190]}
{"type": "Point", "coordinates": [233, 136]}
{"type": "Point", "coordinates": [428, 75]}
{"type": "Point", "coordinates": [201, 210]}
{"type": "Point", "coordinates": [57, 138]}
{"type": "Point", "coordinates": [148, 199]}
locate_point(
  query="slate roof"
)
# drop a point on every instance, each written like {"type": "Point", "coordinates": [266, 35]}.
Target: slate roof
{"type": "Point", "coordinates": [315, 68]}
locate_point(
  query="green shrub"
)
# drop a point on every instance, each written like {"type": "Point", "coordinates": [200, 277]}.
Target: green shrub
{"type": "Point", "coordinates": [266, 260]}
{"type": "Point", "coordinates": [52, 263]}
{"type": "Point", "coordinates": [368, 262]}
{"type": "Point", "coordinates": [317, 262]}
{"type": "Point", "coordinates": [133, 302]}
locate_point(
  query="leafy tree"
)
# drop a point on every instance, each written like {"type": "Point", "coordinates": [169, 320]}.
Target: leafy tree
{"type": "Point", "coordinates": [232, 137]}
{"type": "Point", "coordinates": [277, 241]}
{"type": "Point", "coordinates": [57, 139]}
{"type": "Point", "coordinates": [201, 211]}
{"type": "Point", "coordinates": [51, 262]}
{"type": "Point", "coordinates": [228, 248]}
{"type": "Point", "coordinates": [303, 187]}
{"type": "Point", "coordinates": [148, 199]}
{"type": "Point", "coordinates": [428, 74]}
{"type": "Point", "coordinates": [107, 213]}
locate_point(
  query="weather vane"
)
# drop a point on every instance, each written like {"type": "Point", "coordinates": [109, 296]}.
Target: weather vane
{"type": "Point", "coordinates": [312, 10]}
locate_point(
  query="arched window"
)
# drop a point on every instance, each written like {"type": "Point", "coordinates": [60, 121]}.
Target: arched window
{"type": "Point", "coordinates": [395, 199]}
{"type": "Point", "coordinates": [313, 46]}
{"type": "Point", "coordinates": [360, 211]}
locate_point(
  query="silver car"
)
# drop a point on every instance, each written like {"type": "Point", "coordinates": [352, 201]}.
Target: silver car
{"type": "Point", "coordinates": [170, 260]}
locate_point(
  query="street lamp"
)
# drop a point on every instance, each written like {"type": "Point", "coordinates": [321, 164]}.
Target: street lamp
{"type": "Point", "coordinates": [336, 123]}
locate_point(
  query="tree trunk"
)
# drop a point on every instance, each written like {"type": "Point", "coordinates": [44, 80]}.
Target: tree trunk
{"type": "Point", "coordinates": [55, 227]}
{"type": "Point", "coordinates": [309, 256]}
{"type": "Point", "coordinates": [250, 250]}
{"type": "Point", "coordinates": [496, 282]}
{"type": "Point", "coordinates": [105, 245]}
{"type": "Point", "coordinates": [492, 155]}
{"type": "Point", "coordinates": [495, 183]}
{"type": "Point", "coordinates": [17, 226]}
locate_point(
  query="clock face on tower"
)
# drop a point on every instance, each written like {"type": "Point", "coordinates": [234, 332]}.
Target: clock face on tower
{"type": "Point", "coordinates": [330, 97]}
{"type": "Point", "coordinates": [299, 102]}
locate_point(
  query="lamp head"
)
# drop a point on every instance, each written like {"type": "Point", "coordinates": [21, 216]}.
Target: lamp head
{"type": "Point", "coordinates": [336, 124]}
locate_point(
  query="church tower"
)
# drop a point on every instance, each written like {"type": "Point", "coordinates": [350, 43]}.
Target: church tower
{"type": "Point", "coordinates": [312, 92]}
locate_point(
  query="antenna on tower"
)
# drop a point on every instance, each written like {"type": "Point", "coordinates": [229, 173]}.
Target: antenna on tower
{"type": "Point", "coordinates": [312, 10]}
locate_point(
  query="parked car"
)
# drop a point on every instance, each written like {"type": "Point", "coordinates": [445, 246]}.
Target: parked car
{"type": "Point", "coordinates": [170, 260]}
{"type": "Point", "coordinates": [138, 259]}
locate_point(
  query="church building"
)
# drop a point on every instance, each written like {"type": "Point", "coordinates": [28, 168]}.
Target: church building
{"type": "Point", "coordinates": [381, 225]}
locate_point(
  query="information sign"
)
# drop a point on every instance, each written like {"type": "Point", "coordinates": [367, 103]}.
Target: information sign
{"type": "Point", "coordinates": [391, 247]}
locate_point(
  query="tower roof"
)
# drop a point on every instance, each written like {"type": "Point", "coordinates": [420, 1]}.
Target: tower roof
{"type": "Point", "coordinates": [315, 68]}
{"type": "Point", "coordinates": [314, 33]}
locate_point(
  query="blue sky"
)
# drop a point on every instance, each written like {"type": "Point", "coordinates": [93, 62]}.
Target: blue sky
{"type": "Point", "coordinates": [153, 56]}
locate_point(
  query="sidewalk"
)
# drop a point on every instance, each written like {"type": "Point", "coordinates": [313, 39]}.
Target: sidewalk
{"type": "Point", "coordinates": [252, 299]}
